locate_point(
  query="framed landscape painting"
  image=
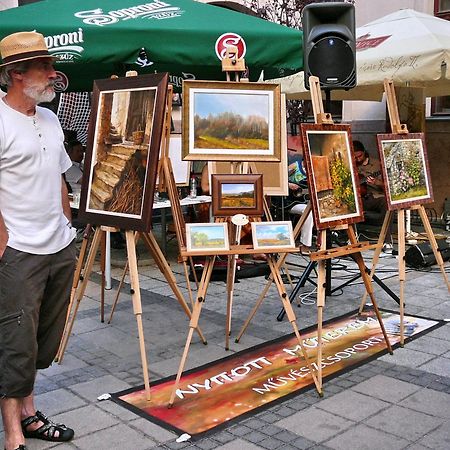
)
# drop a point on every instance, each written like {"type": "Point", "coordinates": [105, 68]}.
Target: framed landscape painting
{"type": "Point", "coordinates": [207, 237]}
{"type": "Point", "coordinates": [237, 194]}
{"type": "Point", "coordinates": [122, 151]}
{"type": "Point", "coordinates": [271, 235]}
{"type": "Point", "coordinates": [226, 121]}
{"type": "Point", "coordinates": [405, 169]}
{"type": "Point", "coordinates": [332, 176]}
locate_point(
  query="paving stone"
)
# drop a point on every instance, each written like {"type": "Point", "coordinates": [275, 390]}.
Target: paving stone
{"type": "Point", "coordinates": [430, 402]}
{"type": "Point", "coordinates": [270, 443]}
{"type": "Point", "coordinates": [366, 438]}
{"type": "Point", "coordinates": [386, 388]}
{"type": "Point", "coordinates": [239, 444]}
{"type": "Point", "coordinates": [352, 405]}
{"type": "Point", "coordinates": [58, 401]}
{"type": "Point", "coordinates": [118, 437]}
{"type": "Point", "coordinates": [439, 366]}
{"type": "Point", "coordinates": [87, 420]}
{"type": "Point", "coordinates": [439, 438]}
{"type": "Point", "coordinates": [92, 389]}
{"type": "Point", "coordinates": [404, 423]}
{"type": "Point", "coordinates": [315, 424]}
{"type": "Point", "coordinates": [156, 432]}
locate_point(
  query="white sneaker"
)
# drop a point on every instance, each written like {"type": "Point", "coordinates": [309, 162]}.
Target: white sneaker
{"type": "Point", "coordinates": [387, 248]}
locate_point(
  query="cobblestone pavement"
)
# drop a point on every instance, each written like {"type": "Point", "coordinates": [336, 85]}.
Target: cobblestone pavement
{"type": "Point", "coordinates": [394, 402]}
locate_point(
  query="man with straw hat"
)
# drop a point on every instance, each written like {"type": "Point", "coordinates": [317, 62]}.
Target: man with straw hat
{"type": "Point", "coordinates": [37, 252]}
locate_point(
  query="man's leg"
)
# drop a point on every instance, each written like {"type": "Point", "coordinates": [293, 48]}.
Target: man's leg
{"type": "Point", "coordinates": [11, 411]}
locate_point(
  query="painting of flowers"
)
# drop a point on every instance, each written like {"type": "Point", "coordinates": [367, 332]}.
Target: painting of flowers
{"type": "Point", "coordinates": [405, 169]}
{"type": "Point", "coordinates": [331, 174]}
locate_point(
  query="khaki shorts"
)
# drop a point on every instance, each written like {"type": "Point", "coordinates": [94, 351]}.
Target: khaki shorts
{"type": "Point", "coordinates": [34, 295]}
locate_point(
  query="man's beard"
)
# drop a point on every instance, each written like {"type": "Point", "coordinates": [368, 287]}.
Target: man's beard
{"type": "Point", "coordinates": [38, 94]}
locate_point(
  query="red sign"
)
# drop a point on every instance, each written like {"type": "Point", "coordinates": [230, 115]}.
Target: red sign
{"type": "Point", "coordinates": [365, 42]}
{"type": "Point", "coordinates": [228, 39]}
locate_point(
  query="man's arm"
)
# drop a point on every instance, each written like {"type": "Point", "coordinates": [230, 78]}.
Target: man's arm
{"type": "Point", "coordinates": [3, 235]}
{"type": "Point", "coordinates": [65, 200]}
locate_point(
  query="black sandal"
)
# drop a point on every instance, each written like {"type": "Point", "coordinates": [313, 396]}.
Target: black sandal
{"type": "Point", "coordinates": [46, 432]}
{"type": "Point", "coordinates": [20, 447]}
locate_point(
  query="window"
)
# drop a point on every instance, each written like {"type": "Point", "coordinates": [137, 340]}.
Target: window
{"type": "Point", "coordinates": [442, 9]}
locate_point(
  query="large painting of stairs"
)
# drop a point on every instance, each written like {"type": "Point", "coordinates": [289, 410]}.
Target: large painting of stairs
{"type": "Point", "coordinates": [122, 163]}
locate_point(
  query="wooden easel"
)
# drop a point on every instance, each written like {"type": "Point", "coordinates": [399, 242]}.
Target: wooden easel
{"type": "Point", "coordinates": [399, 128]}
{"type": "Point", "coordinates": [155, 251]}
{"type": "Point", "coordinates": [203, 288]}
{"type": "Point", "coordinates": [167, 184]}
{"type": "Point", "coordinates": [354, 248]}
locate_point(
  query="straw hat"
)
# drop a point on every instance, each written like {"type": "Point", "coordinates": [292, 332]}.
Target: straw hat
{"type": "Point", "coordinates": [22, 47]}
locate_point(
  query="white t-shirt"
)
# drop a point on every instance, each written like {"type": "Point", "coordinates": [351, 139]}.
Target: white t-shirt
{"type": "Point", "coordinates": [32, 159]}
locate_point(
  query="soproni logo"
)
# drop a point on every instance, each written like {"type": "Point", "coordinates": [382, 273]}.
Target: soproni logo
{"type": "Point", "coordinates": [66, 46]}
{"type": "Point", "coordinates": [154, 10]}
{"type": "Point", "coordinates": [228, 39]}
{"type": "Point", "coordinates": [61, 82]}
{"type": "Point", "coordinates": [177, 80]}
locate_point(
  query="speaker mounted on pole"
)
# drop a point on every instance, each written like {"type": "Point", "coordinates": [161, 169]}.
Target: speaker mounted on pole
{"type": "Point", "coordinates": [329, 44]}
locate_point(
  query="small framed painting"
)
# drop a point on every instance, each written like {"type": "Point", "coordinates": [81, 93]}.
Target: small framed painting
{"type": "Point", "coordinates": [207, 237]}
{"type": "Point", "coordinates": [229, 121]}
{"type": "Point", "coordinates": [405, 169]}
{"type": "Point", "coordinates": [237, 194]}
{"type": "Point", "coordinates": [271, 235]}
{"type": "Point", "coordinates": [333, 180]}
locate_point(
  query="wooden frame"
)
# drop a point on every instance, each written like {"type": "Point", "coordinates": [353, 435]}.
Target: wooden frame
{"type": "Point", "coordinates": [237, 194]}
{"type": "Point", "coordinates": [123, 149]}
{"type": "Point", "coordinates": [270, 235]}
{"type": "Point", "coordinates": [212, 231]}
{"type": "Point", "coordinates": [332, 175]}
{"type": "Point", "coordinates": [253, 112]}
{"type": "Point", "coordinates": [405, 169]}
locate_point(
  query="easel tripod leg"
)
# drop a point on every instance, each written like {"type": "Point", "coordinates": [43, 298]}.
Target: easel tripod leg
{"type": "Point", "coordinates": [401, 270]}
{"type": "Point", "coordinates": [137, 305]}
{"type": "Point", "coordinates": [206, 276]}
{"type": "Point", "coordinates": [381, 239]}
{"type": "Point", "coordinates": [165, 269]}
{"type": "Point", "coordinates": [433, 243]}
{"type": "Point", "coordinates": [291, 317]}
{"type": "Point", "coordinates": [80, 293]}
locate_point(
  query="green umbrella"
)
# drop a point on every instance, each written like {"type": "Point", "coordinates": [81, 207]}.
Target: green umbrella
{"type": "Point", "coordinates": [94, 39]}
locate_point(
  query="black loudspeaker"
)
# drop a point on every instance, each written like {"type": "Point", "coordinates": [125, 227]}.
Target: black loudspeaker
{"type": "Point", "coordinates": [421, 255]}
{"type": "Point", "coordinates": [329, 44]}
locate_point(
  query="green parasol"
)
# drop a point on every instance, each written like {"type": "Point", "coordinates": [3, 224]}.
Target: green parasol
{"type": "Point", "coordinates": [94, 39]}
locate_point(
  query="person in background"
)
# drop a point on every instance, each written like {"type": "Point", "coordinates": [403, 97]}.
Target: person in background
{"type": "Point", "coordinates": [37, 250]}
{"type": "Point", "coordinates": [297, 184]}
{"type": "Point", "coordinates": [371, 185]}
{"type": "Point", "coordinates": [74, 175]}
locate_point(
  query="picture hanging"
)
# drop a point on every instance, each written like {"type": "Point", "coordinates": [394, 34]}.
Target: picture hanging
{"type": "Point", "coordinates": [207, 237]}
{"type": "Point", "coordinates": [122, 151]}
{"type": "Point", "coordinates": [237, 194]}
{"type": "Point", "coordinates": [226, 121]}
{"type": "Point", "coordinates": [270, 235]}
{"type": "Point", "coordinates": [332, 176]}
{"type": "Point", "coordinates": [405, 169]}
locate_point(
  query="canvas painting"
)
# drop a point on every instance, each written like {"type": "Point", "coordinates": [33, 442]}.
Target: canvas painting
{"type": "Point", "coordinates": [207, 237]}
{"type": "Point", "coordinates": [405, 169]}
{"type": "Point", "coordinates": [237, 194]}
{"type": "Point", "coordinates": [270, 235]}
{"type": "Point", "coordinates": [123, 150]}
{"type": "Point", "coordinates": [332, 176]}
{"type": "Point", "coordinates": [231, 121]}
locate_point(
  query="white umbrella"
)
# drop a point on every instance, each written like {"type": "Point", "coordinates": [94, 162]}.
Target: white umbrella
{"type": "Point", "coordinates": [409, 47]}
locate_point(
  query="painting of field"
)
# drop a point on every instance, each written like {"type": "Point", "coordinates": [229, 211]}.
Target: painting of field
{"type": "Point", "coordinates": [211, 236]}
{"type": "Point", "coordinates": [238, 195]}
{"type": "Point", "coordinates": [231, 120]}
{"type": "Point", "coordinates": [272, 234]}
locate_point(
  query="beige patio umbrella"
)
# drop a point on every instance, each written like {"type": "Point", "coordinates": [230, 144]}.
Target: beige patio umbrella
{"type": "Point", "coordinates": [409, 47]}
